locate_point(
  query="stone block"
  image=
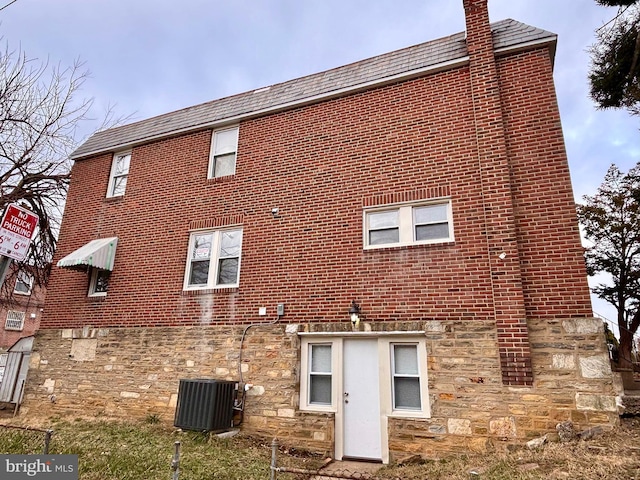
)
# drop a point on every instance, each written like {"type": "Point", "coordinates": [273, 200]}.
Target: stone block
{"type": "Point", "coordinates": [49, 385]}
{"type": "Point", "coordinates": [438, 429]}
{"type": "Point", "coordinates": [286, 412]}
{"type": "Point", "coordinates": [292, 328]}
{"type": "Point", "coordinates": [606, 403]}
{"type": "Point", "coordinates": [563, 361]}
{"type": "Point", "coordinates": [129, 394]}
{"type": "Point", "coordinates": [503, 427]}
{"type": "Point", "coordinates": [583, 326]}
{"type": "Point", "coordinates": [35, 360]}
{"type": "Point", "coordinates": [478, 444]}
{"type": "Point", "coordinates": [83, 349]}
{"type": "Point", "coordinates": [459, 426]}
{"type": "Point", "coordinates": [597, 366]}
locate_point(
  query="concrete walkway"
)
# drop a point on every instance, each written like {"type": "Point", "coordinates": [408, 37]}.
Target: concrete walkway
{"type": "Point", "coordinates": [349, 469]}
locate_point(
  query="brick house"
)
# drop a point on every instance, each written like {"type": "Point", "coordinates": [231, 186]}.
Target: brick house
{"type": "Point", "coordinates": [20, 316]}
{"type": "Point", "coordinates": [423, 194]}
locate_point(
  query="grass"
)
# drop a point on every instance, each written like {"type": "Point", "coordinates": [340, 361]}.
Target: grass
{"type": "Point", "coordinates": [143, 451]}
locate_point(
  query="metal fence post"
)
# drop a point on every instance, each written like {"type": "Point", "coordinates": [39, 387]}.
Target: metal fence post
{"type": "Point", "coordinates": [175, 463]}
{"type": "Point", "coordinates": [274, 462]}
{"type": "Point", "coordinates": [47, 441]}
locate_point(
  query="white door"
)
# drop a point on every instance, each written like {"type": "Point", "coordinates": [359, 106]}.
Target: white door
{"type": "Point", "coordinates": [361, 400]}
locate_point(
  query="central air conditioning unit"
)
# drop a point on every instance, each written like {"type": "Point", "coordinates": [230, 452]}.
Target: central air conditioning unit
{"type": "Point", "coordinates": [205, 405]}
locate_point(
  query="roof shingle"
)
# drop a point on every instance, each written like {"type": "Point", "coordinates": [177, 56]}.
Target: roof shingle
{"type": "Point", "coordinates": [507, 34]}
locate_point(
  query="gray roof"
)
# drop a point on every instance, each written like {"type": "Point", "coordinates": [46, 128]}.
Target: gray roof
{"type": "Point", "coordinates": [507, 35]}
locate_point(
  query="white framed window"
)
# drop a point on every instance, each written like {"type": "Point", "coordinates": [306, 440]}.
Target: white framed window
{"type": "Point", "coordinates": [119, 174]}
{"type": "Point", "coordinates": [411, 224]}
{"type": "Point", "coordinates": [222, 159]}
{"type": "Point", "coordinates": [99, 282]}
{"type": "Point", "coordinates": [214, 259]}
{"type": "Point", "coordinates": [24, 283]}
{"type": "Point", "coordinates": [320, 374]}
{"type": "Point", "coordinates": [405, 377]}
{"type": "Point", "coordinates": [15, 320]}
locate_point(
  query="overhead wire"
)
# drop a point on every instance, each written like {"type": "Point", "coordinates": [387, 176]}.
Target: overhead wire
{"type": "Point", "coordinates": [10, 3]}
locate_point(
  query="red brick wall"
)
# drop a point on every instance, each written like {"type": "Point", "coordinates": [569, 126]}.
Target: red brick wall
{"type": "Point", "coordinates": [319, 165]}
{"type": "Point", "coordinates": [551, 258]}
{"type": "Point", "coordinates": [30, 304]}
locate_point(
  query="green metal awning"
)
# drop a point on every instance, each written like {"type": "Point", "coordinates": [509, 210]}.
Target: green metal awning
{"type": "Point", "coordinates": [98, 253]}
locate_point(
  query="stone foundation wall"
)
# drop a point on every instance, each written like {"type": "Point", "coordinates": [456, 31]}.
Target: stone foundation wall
{"type": "Point", "coordinates": [135, 372]}
{"type": "Point", "coordinates": [472, 411]}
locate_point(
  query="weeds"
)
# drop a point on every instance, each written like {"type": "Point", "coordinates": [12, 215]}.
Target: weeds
{"type": "Point", "coordinates": [143, 451]}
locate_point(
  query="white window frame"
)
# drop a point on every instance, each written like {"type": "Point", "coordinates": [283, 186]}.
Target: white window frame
{"type": "Point", "coordinates": [26, 279]}
{"type": "Point", "coordinates": [305, 368]}
{"type": "Point", "coordinates": [320, 374]}
{"type": "Point", "coordinates": [395, 375]}
{"type": "Point", "coordinates": [214, 259]}
{"type": "Point", "coordinates": [407, 224]}
{"type": "Point", "coordinates": [218, 151]}
{"type": "Point", "coordinates": [93, 282]}
{"type": "Point", "coordinates": [114, 175]}
{"type": "Point", "coordinates": [17, 323]}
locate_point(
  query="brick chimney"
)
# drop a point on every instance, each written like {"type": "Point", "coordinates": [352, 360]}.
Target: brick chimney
{"type": "Point", "coordinates": [499, 217]}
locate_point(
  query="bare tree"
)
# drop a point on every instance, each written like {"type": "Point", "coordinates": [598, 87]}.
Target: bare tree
{"type": "Point", "coordinates": [40, 116]}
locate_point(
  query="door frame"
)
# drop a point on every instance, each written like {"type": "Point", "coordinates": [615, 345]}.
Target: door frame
{"type": "Point", "coordinates": [385, 339]}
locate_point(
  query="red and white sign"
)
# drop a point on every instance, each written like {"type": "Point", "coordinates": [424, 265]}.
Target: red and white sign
{"type": "Point", "coordinates": [16, 230]}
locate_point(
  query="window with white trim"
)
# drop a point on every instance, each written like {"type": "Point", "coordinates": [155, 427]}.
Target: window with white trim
{"type": "Point", "coordinates": [320, 374]}
{"type": "Point", "coordinates": [222, 159]}
{"type": "Point", "coordinates": [214, 259]}
{"type": "Point", "coordinates": [15, 320]}
{"type": "Point", "coordinates": [99, 282]}
{"type": "Point", "coordinates": [405, 374]}
{"type": "Point", "coordinates": [24, 283]}
{"type": "Point", "coordinates": [119, 174]}
{"type": "Point", "coordinates": [421, 223]}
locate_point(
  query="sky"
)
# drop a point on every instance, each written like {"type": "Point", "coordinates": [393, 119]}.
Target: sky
{"type": "Point", "coordinates": [148, 57]}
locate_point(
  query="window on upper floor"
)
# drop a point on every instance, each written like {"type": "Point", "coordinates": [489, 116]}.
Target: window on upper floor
{"type": "Point", "coordinates": [214, 259]}
{"type": "Point", "coordinates": [224, 145]}
{"type": "Point", "coordinates": [119, 174]}
{"type": "Point", "coordinates": [99, 282]}
{"type": "Point", "coordinates": [24, 283]}
{"type": "Point", "coordinates": [15, 320]}
{"type": "Point", "coordinates": [398, 225]}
